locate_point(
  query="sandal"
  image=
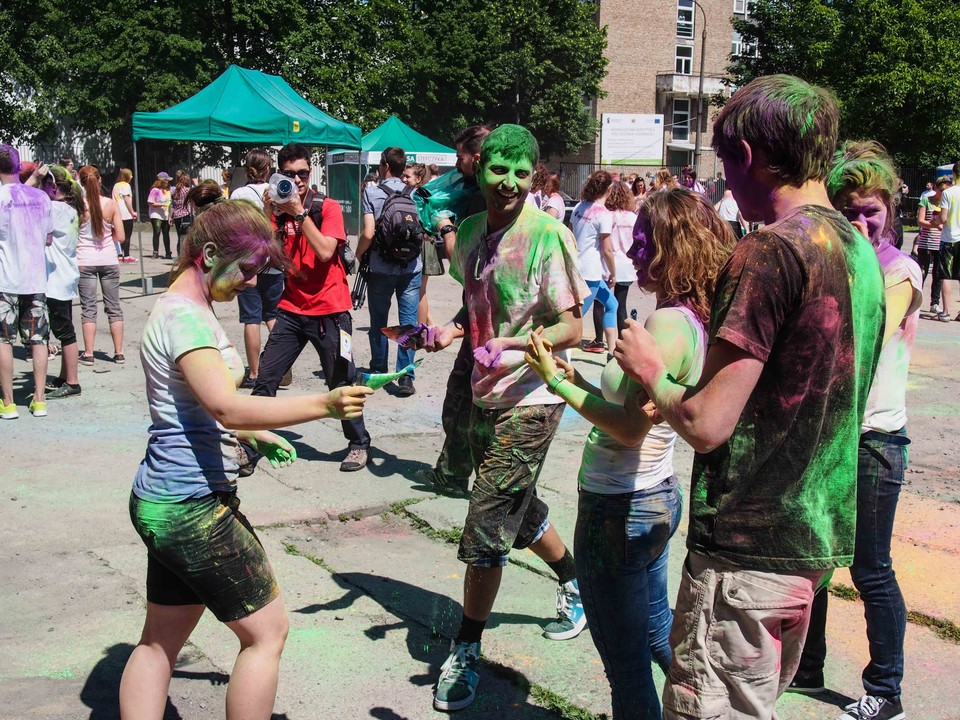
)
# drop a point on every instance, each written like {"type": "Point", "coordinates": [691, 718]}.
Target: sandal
{"type": "Point", "coordinates": [53, 350]}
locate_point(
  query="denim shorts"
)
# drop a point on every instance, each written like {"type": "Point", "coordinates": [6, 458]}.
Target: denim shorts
{"type": "Point", "coordinates": [259, 304]}
{"type": "Point", "coordinates": [508, 447]}
{"type": "Point", "coordinates": [204, 551]}
{"type": "Point", "coordinates": [26, 314]}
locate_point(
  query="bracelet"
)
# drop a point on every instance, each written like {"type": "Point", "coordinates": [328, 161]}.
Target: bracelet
{"type": "Point", "coordinates": [555, 381]}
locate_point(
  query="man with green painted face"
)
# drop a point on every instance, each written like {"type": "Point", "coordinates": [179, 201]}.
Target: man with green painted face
{"type": "Point", "coordinates": [519, 271]}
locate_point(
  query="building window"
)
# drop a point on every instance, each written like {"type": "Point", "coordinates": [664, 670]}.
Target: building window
{"type": "Point", "coordinates": [737, 45]}
{"type": "Point", "coordinates": [739, 7]}
{"type": "Point", "coordinates": [684, 60]}
{"type": "Point", "coordinates": [681, 120]}
{"type": "Point", "coordinates": [685, 18]}
{"type": "Point", "coordinates": [751, 8]}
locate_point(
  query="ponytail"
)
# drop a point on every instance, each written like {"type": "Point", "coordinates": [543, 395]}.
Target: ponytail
{"type": "Point", "coordinates": [90, 179]}
{"type": "Point", "coordinates": [68, 187]}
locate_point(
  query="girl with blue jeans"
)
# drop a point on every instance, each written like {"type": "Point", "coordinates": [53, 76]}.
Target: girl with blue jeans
{"type": "Point", "coordinates": [630, 501]}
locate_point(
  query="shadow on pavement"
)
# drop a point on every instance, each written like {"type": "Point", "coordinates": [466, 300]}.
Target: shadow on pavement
{"type": "Point", "coordinates": [428, 619]}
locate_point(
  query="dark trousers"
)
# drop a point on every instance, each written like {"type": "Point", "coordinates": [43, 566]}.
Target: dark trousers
{"type": "Point", "coordinates": [284, 345]}
{"type": "Point", "coordinates": [926, 258]}
{"type": "Point", "coordinates": [880, 468]}
{"type": "Point", "coordinates": [161, 226]}
{"type": "Point", "coordinates": [127, 237]}
{"type": "Point", "coordinates": [620, 291]}
{"type": "Point", "coordinates": [455, 459]}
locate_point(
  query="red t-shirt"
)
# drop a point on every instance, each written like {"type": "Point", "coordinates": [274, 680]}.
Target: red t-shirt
{"type": "Point", "coordinates": [313, 287]}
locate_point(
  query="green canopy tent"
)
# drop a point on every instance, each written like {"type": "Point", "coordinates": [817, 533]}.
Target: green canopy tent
{"type": "Point", "coordinates": [243, 106]}
{"type": "Point", "coordinates": [345, 168]}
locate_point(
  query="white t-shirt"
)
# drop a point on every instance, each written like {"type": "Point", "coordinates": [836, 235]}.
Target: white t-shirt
{"type": "Point", "coordinates": [728, 209]}
{"type": "Point", "coordinates": [122, 190]}
{"type": "Point", "coordinates": [189, 454]}
{"type": "Point", "coordinates": [608, 467]}
{"type": "Point", "coordinates": [25, 222]}
{"type": "Point", "coordinates": [253, 193]}
{"type": "Point", "coordinates": [590, 220]}
{"type": "Point", "coordinates": [886, 409]}
{"type": "Point", "coordinates": [621, 235]}
{"type": "Point", "coordinates": [555, 201]}
{"type": "Point", "coordinates": [62, 271]}
{"type": "Point", "coordinates": [93, 251]}
{"type": "Point", "coordinates": [950, 201]}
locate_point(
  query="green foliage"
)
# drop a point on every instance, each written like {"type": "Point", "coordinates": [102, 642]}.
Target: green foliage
{"type": "Point", "coordinates": [894, 65]}
{"type": "Point", "coordinates": [439, 64]}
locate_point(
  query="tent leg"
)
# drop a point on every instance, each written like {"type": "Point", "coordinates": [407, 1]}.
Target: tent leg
{"type": "Point", "coordinates": [136, 193]}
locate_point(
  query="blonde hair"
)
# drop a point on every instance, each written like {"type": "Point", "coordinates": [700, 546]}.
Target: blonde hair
{"type": "Point", "coordinates": [692, 244]}
{"type": "Point", "coordinates": [664, 180]}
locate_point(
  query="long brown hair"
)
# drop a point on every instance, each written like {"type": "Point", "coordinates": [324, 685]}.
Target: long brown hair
{"type": "Point", "coordinates": [90, 179]}
{"type": "Point", "coordinates": [596, 185]}
{"type": "Point", "coordinates": [619, 198]}
{"type": "Point", "coordinates": [257, 164]}
{"type": "Point", "coordinates": [692, 245]}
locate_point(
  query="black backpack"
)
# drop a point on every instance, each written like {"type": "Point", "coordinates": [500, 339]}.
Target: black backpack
{"type": "Point", "coordinates": [399, 234]}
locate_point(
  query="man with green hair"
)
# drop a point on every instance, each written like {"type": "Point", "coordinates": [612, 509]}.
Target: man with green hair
{"type": "Point", "coordinates": [795, 335]}
{"type": "Point", "coordinates": [519, 271]}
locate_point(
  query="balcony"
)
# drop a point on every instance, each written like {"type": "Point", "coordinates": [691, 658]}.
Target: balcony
{"type": "Point", "coordinates": [687, 85]}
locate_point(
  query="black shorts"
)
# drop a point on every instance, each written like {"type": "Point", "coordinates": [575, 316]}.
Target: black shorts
{"type": "Point", "coordinates": [204, 551]}
{"type": "Point", "coordinates": [950, 261]}
{"type": "Point", "coordinates": [61, 321]}
{"type": "Point", "coordinates": [509, 447]}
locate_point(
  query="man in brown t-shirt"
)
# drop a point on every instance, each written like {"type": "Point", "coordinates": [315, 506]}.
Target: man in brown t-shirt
{"type": "Point", "coordinates": [795, 334]}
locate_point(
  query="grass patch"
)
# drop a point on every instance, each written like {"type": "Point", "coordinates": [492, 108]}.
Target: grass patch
{"type": "Point", "coordinates": [447, 535]}
{"type": "Point", "coordinates": [292, 549]}
{"type": "Point", "coordinates": [844, 592]}
{"type": "Point", "coordinates": [561, 706]}
{"type": "Point", "coordinates": [532, 568]}
{"type": "Point", "coordinates": [944, 629]}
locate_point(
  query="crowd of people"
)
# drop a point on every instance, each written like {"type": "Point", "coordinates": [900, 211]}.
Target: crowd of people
{"type": "Point", "coordinates": [791, 479]}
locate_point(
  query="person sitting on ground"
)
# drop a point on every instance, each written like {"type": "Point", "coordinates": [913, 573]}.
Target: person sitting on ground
{"type": "Point", "coordinates": [100, 227]}
{"type": "Point", "coordinates": [592, 224]}
{"type": "Point", "coordinates": [862, 185]}
{"type": "Point", "coordinates": [202, 551]}
{"type": "Point", "coordinates": [519, 274]}
{"type": "Point", "coordinates": [773, 494]}
{"type": "Point", "coordinates": [63, 279]}
{"type": "Point", "coordinates": [629, 502]}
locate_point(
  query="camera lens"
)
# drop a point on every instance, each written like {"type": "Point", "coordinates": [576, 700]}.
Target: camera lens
{"type": "Point", "coordinates": [285, 187]}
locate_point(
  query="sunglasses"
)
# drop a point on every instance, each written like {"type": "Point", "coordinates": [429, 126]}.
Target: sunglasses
{"type": "Point", "coordinates": [302, 174]}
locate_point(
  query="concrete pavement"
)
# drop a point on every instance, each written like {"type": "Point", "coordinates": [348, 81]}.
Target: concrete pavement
{"type": "Point", "coordinates": [369, 575]}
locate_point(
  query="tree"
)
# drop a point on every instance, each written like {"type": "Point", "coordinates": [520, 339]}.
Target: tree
{"type": "Point", "coordinates": [441, 64]}
{"type": "Point", "coordinates": [894, 65]}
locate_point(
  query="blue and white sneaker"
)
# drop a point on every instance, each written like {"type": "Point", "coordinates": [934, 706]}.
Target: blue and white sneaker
{"type": "Point", "coordinates": [571, 619]}
{"type": "Point", "coordinates": [457, 685]}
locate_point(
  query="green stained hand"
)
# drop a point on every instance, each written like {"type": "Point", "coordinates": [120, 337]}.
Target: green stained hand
{"type": "Point", "coordinates": [376, 381]}
{"type": "Point", "coordinates": [274, 448]}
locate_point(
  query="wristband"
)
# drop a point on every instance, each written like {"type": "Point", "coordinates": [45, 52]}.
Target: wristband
{"type": "Point", "coordinates": [555, 381]}
{"type": "Point", "coordinates": [447, 229]}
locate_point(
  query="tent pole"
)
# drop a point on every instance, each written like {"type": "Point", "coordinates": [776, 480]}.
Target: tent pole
{"type": "Point", "coordinates": [136, 194]}
{"type": "Point", "coordinates": [359, 198]}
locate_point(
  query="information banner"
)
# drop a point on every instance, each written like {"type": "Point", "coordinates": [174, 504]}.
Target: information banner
{"type": "Point", "coordinates": [631, 139]}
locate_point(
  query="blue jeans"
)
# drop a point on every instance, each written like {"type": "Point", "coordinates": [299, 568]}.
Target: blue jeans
{"type": "Point", "coordinates": [621, 546]}
{"type": "Point", "coordinates": [380, 291]}
{"type": "Point", "coordinates": [881, 464]}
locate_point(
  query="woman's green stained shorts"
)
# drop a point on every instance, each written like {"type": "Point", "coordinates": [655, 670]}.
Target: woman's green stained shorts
{"type": "Point", "coordinates": [204, 551]}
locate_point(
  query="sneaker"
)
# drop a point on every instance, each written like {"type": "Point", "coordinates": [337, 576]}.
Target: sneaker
{"type": "Point", "coordinates": [156, 256]}
{"type": "Point", "coordinates": [457, 685]}
{"type": "Point", "coordinates": [872, 707]}
{"type": "Point", "coordinates": [807, 684]}
{"type": "Point", "coordinates": [64, 391]}
{"type": "Point", "coordinates": [248, 383]}
{"type": "Point", "coordinates": [85, 359]}
{"type": "Point", "coordinates": [593, 346]}
{"type": "Point", "coordinates": [405, 386]}
{"type": "Point", "coordinates": [38, 408]}
{"type": "Point", "coordinates": [935, 308]}
{"type": "Point", "coordinates": [442, 482]}
{"type": "Point", "coordinates": [287, 378]}
{"type": "Point", "coordinates": [943, 317]}
{"type": "Point", "coordinates": [119, 359]}
{"type": "Point", "coordinates": [129, 259]}
{"type": "Point", "coordinates": [571, 619]}
{"type": "Point", "coordinates": [355, 460]}
{"type": "Point", "coordinates": [9, 412]}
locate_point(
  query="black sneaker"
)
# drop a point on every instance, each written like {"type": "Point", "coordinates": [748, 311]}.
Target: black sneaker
{"type": "Point", "coordinates": [872, 707]}
{"type": "Point", "coordinates": [405, 386]}
{"type": "Point", "coordinates": [807, 684]}
{"type": "Point", "coordinates": [248, 383]}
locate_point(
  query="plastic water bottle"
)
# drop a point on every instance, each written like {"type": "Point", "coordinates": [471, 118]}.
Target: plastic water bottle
{"type": "Point", "coordinates": [282, 188]}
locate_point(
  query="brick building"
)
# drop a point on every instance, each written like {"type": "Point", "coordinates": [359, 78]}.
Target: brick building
{"type": "Point", "coordinates": [654, 49]}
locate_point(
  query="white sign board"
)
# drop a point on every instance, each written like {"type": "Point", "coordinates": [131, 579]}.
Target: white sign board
{"type": "Point", "coordinates": [631, 139]}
